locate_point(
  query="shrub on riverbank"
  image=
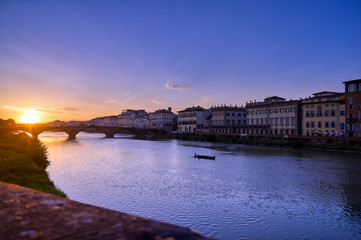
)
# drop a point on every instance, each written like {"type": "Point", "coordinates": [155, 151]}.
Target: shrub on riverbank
{"type": "Point", "coordinates": [23, 161]}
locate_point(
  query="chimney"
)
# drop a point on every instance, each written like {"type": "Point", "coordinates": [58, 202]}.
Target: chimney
{"type": "Point", "coordinates": [170, 109]}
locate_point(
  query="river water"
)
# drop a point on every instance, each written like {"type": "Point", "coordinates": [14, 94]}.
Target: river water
{"type": "Point", "coordinates": [248, 192]}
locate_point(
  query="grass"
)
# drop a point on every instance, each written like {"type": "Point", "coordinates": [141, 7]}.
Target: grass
{"type": "Point", "coordinates": [23, 161]}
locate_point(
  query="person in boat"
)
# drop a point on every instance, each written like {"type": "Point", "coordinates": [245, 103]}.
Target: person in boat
{"type": "Point", "coordinates": [195, 154]}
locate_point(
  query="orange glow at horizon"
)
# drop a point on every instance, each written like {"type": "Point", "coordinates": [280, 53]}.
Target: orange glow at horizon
{"type": "Point", "coordinates": [30, 117]}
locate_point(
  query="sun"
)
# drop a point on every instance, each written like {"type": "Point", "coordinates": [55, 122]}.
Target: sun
{"type": "Point", "coordinates": [30, 117]}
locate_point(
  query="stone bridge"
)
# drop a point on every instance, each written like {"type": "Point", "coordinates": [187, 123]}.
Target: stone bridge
{"type": "Point", "coordinates": [72, 131]}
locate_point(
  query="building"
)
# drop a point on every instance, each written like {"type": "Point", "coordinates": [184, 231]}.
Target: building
{"type": "Point", "coordinates": [227, 119]}
{"type": "Point", "coordinates": [132, 118]}
{"type": "Point", "coordinates": [324, 114]}
{"type": "Point", "coordinates": [274, 115]}
{"type": "Point", "coordinates": [192, 119]}
{"type": "Point", "coordinates": [353, 107]}
{"type": "Point", "coordinates": [162, 119]}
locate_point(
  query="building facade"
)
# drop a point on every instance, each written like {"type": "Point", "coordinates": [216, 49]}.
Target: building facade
{"type": "Point", "coordinates": [162, 119]}
{"type": "Point", "coordinates": [353, 107]}
{"type": "Point", "coordinates": [324, 114]}
{"type": "Point", "coordinates": [132, 119]}
{"type": "Point", "coordinates": [192, 119]}
{"type": "Point", "coordinates": [274, 115]}
{"type": "Point", "coordinates": [227, 119]}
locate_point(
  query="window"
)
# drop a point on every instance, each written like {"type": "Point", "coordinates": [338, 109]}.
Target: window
{"type": "Point", "coordinates": [247, 112]}
{"type": "Point", "coordinates": [257, 111]}
{"type": "Point", "coordinates": [287, 121]}
{"type": "Point", "coordinates": [350, 100]}
{"type": "Point", "coordinates": [282, 110]}
{"type": "Point", "coordinates": [307, 113]}
{"type": "Point", "coordinates": [227, 114]}
{"type": "Point", "coordinates": [293, 109]}
{"type": "Point", "coordinates": [252, 121]}
{"type": "Point", "coordinates": [276, 110]}
{"type": "Point", "coordinates": [271, 121]}
{"type": "Point", "coordinates": [326, 105]}
{"type": "Point", "coordinates": [319, 124]}
{"type": "Point", "coordinates": [287, 110]}
{"type": "Point", "coordinates": [312, 124]}
{"type": "Point", "coordinates": [257, 121]}
{"type": "Point", "coordinates": [326, 125]}
{"type": "Point", "coordinates": [307, 124]}
{"type": "Point", "coordinates": [239, 114]}
{"type": "Point", "coordinates": [252, 112]}
{"type": "Point", "coordinates": [281, 121]}
{"type": "Point", "coordinates": [351, 88]}
{"type": "Point", "coordinates": [276, 121]}
{"type": "Point", "coordinates": [261, 112]}
{"type": "Point", "coordinates": [233, 122]}
{"type": "Point", "coordinates": [333, 124]}
{"type": "Point", "coordinates": [261, 121]}
{"type": "Point", "coordinates": [350, 106]}
{"type": "Point", "coordinates": [326, 113]}
{"type": "Point", "coordinates": [233, 114]}
{"type": "Point", "coordinates": [266, 111]}
{"type": "Point", "coordinates": [333, 113]}
{"type": "Point", "coordinates": [293, 120]}
{"type": "Point", "coordinates": [342, 126]}
{"type": "Point", "coordinates": [271, 111]}
{"type": "Point", "coordinates": [312, 113]}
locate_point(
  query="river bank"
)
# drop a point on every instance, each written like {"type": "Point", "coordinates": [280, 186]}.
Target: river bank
{"type": "Point", "coordinates": [23, 161]}
{"type": "Point", "coordinates": [291, 143]}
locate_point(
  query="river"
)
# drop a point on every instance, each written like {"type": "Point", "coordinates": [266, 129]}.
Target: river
{"type": "Point", "coordinates": [248, 192]}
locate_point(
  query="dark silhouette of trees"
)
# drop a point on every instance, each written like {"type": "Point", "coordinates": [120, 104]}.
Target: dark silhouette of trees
{"type": "Point", "coordinates": [7, 123]}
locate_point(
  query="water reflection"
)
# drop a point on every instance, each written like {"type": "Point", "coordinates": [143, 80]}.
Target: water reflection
{"type": "Point", "coordinates": [248, 192]}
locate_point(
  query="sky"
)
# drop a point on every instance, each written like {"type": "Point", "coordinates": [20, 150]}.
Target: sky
{"type": "Point", "coordinates": [76, 60]}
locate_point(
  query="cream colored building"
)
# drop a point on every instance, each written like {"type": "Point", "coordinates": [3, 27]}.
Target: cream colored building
{"type": "Point", "coordinates": [324, 114]}
{"type": "Point", "coordinates": [228, 119]}
{"type": "Point", "coordinates": [192, 119]}
{"type": "Point", "coordinates": [275, 115]}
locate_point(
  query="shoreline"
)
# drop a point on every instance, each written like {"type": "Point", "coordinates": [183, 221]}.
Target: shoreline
{"type": "Point", "coordinates": [284, 143]}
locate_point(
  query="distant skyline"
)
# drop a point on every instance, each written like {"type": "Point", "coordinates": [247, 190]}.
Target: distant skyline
{"type": "Point", "coordinates": [76, 60]}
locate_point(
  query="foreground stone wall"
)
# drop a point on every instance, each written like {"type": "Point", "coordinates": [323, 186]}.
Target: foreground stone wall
{"type": "Point", "coordinates": [30, 214]}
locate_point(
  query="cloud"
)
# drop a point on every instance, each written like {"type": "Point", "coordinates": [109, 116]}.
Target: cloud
{"type": "Point", "coordinates": [177, 87]}
{"type": "Point", "coordinates": [155, 101]}
{"type": "Point", "coordinates": [45, 110]}
{"type": "Point", "coordinates": [205, 101]}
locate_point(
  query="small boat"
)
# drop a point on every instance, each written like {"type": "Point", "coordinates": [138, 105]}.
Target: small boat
{"type": "Point", "coordinates": [204, 156]}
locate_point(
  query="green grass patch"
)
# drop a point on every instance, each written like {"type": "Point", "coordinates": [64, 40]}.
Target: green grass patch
{"type": "Point", "coordinates": [23, 161]}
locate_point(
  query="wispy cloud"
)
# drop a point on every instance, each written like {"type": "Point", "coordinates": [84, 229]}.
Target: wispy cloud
{"type": "Point", "coordinates": [205, 101]}
{"type": "Point", "coordinates": [155, 101]}
{"type": "Point", "coordinates": [177, 87]}
{"type": "Point", "coordinates": [46, 110]}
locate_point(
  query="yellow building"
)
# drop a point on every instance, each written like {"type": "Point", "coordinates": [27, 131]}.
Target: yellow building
{"type": "Point", "coordinates": [324, 114]}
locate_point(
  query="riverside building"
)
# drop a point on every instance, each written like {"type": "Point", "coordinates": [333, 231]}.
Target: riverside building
{"type": "Point", "coordinates": [228, 119]}
{"type": "Point", "coordinates": [192, 119]}
{"type": "Point", "coordinates": [274, 115]}
{"type": "Point", "coordinates": [162, 119]}
{"type": "Point", "coordinates": [324, 114]}
{"type": "Point", "coordinates": [353, 107]}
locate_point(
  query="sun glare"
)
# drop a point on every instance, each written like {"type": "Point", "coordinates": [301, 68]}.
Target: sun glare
{"type": "Point", "coordinates": [30, 117]}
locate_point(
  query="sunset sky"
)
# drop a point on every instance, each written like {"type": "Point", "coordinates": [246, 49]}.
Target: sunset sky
{"type": "Point", "coordinates": [76, 60]}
